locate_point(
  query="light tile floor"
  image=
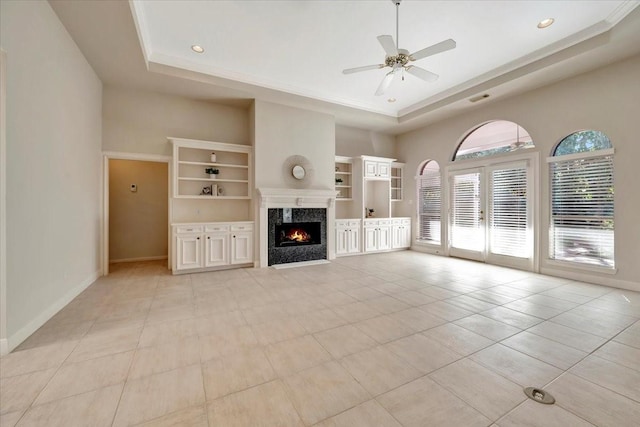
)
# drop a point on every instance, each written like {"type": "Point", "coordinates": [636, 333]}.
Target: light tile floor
{"type": "Point", "coordinates": [398, 339]}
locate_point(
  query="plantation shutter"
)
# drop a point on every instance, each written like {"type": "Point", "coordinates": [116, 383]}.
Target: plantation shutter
{"type": "Point", "coordinates": [582, 209]}
{"type": "Point", "coordinates": [430, 205]}
{"type": "Point", "coordinates": [508, 219]}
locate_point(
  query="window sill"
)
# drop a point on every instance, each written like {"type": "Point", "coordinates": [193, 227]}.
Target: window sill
{"type": "Point", "coordinates": [582, 267]}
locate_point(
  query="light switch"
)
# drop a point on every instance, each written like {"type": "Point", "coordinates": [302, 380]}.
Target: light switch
{"type": "Point", "coordinates": [134, 188]}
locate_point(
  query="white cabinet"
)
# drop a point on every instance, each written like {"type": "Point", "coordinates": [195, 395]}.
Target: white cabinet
{"type": "Point", "coordinates": [401, 233]}
{"type": "Point", "coordinates": [348, 236]}
{"type": "Point", "coordinates": [212, 245]}
{"type": "Point", "coordinates": [396, 181]}
{"type": "Point", "coordinates": [188, 251]}
{"type": "Point", "coordinates": [241, 245]}
{"type": "Point", "coordinates": [377, 169]}
{"type": "Point", "coordinates": [377, 235]}
{"type": "Point", "coordinates": [344, 177]}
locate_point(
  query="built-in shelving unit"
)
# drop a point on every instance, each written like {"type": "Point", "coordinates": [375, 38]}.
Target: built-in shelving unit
{"type": "Point", "coordinates": [192, 158]}
{"type": "Point", "coordinates": [344, 178]}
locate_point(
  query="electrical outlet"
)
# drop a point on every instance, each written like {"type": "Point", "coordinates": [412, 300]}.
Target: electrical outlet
{"type": "Point", "coordinates": [134, 188]}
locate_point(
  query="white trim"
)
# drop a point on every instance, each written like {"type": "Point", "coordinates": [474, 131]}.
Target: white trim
{"type": "Point", "coordinates": [3, 204]}
{"type": "Point", "coordinates": [140, 259]}
{"type": "Point", "coordinates": [580, 266]}
{"type": "Point", "coordinates": [428, 249]}
{"type": "Point", "coordinates": [24, 333]}
{"type": "Point", "coordinates": [119, 155]}
{"type": "Point", "coordinates": [592, 278]}
{"type": "Point", "coordinates": [584, 155]}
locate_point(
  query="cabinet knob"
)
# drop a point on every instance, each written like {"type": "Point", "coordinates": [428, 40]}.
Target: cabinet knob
{"type": "Point", "coordinates": [198, 238]}
{"type": "Point", "coordinates": [208, 237]}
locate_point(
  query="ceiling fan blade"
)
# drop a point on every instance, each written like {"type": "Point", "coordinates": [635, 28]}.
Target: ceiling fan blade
{"type": "Point", "coordinates": [432, 50]}
{"type": "Point", "coordinates": [388, 45]}
{"type": "Point", "coordinates": [365, 68]}
{"type": "Point", "coordinates": [421, 73]}
{"type": "Point", "coordinates": [386, 82]}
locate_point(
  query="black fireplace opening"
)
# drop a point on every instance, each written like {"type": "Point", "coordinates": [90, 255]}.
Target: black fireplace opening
{"type": "Point", "coordinates": [298, 234]}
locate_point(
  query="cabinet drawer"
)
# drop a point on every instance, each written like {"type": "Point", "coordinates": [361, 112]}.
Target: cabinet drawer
{"type": "Point", "coordinates": [384, 222]}
{"type": "Point", "coordinates": [189, 229]}
{"type": "Point", "coordinates": [354, 223]}
{"type": "Point", "coordinates": [371, 222]}
{"type": "Point", "coordinates": [213, 227]}
{"type": "Point", "coordinates": [342, 223]}
{"type": "Point", "coordinates": [242, 227]}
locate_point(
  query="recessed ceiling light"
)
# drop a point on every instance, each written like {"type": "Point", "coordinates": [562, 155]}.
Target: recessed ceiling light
{"type": "Point", "coordinates": [197, 49]}
{"type": "Point", "coordinates": [545, 23]}
{"type": "Point", "coordinates": [391, 100]}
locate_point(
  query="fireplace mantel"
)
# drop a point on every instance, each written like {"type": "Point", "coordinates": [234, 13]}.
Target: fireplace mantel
{"type": "Point", "coordinates": [294, 198]}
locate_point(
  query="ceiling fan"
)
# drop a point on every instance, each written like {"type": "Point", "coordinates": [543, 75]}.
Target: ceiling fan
{"type": "Point", "coordinates": [398, 59]}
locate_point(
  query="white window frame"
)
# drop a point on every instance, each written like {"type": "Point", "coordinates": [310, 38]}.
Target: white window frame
{"type": "Point", "coordinates": [567, 263]}
{"type": "Point", "coordinates": [419, 180]}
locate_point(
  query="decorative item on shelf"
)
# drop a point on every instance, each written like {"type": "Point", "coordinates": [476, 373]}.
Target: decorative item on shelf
{"type": "Point", "coordinates": [213, 157]}
{"type": "Point", "coordinates": [220, 191]}
{"type": "Point", "coordinates": [213, 172]}
{"type": "Point", "coordinates": [337, 168]}
{"type": "Point", "coordinates": [371, 213]}
{"type": "Point", "coordinates": [338, 180]}
{"type": "Point", "coordinates": [207, 190]}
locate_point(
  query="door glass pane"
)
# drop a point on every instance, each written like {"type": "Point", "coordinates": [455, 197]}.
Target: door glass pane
{"type": "Point", "coordinates": [508, 212]}
{"type": "Point", "coordinates": [466, 216]}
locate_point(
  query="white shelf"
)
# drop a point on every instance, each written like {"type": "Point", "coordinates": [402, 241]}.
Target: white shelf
{"type": "Point", "coordinates": [343, 199]}
{"type": "Point", "coordinates": [213, 180]}
{"type": "Point", "coordinates": [192, 157]}
{"type": "Point", "coordinates": [220, 165]}
{"type": "Point", "coordinates": [343, 186]}
{"type": "Point", "coordinates": [342, 173]}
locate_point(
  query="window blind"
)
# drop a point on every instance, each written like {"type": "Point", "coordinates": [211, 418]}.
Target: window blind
{"type": "Point", "coordinates": [582, 223]}
{"type": "Point", "coordinates": [466, 215]}
{"type": "Point", "coordinates": [430, 207]}
{"type": "Point", "coordinates": [508, 212]}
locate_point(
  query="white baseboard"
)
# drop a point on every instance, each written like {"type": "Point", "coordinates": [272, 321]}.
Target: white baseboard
{"type": "Point", "coordinates": [23, 333]}
{"type": "Point", "coordinates": [592, 278]}
{"type": "Point", "coordinates": [145, 258]}
{"type": "Point", "coordinates": [427, 249]}
{"type": "Point", "coordinates": [4, 347]}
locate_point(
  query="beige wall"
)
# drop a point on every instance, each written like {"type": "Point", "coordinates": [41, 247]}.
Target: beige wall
{"type": "Point", "coordinates": [606, 99]}
{"type": "Point", "coordinates": [53, 168]}
{"type": "Point", "coordinates": [355, 142]}
{"type": "Point", "coordinates": [137, 220]}
{"type": "Point", "coordinates": [282, 131]}
{"type": "Point", "coordinates": [140, 122]}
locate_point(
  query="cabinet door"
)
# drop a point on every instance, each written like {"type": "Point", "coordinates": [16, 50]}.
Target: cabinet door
{"type": "Point", "coordinates": [370, 168]}
{"type": "Point", "coordinates": [342, 236]}
{"type": "Point", "coordinates": [241, 248]}
{"type": "Point", "coordinates": [353, 241]}
{"type": "Point", "coordinates": [216, 249]}
{"type": "Point", "coordinates": [406, 236]}
{"type": "Point", "coordinates": [370, 239]}
{"type": "Point", "coordinates": [384, 170]}
{"type": "Point", "coordinates": [384, 238]}
{"type": "Point", "coordinates": [189, 252]}
{"type": "Point", "coordinates": [396, 232]}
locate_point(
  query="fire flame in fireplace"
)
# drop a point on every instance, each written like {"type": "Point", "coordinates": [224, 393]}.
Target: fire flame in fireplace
{"type": "Point", "coordinates": [298, 235]}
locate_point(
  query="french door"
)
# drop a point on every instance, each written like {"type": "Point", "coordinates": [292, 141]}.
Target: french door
{"type": "Point", "coordinates": [490, 214]}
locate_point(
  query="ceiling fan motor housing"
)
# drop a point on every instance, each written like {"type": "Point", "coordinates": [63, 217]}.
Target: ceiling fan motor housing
{"type": "Point", "coordinates": [401, 59]}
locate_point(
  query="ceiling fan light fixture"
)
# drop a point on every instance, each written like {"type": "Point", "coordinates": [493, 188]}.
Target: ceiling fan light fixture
{"type": "Point", "coordinates": [545, 23]}
{"type": "Point", "coordinates": [197, 49]}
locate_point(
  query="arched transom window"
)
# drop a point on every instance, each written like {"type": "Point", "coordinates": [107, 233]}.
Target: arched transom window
{"type": "Point", "coordinates": [496, 137]}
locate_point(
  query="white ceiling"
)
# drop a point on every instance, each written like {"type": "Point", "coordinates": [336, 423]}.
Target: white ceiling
{"type": "Point", "coordinates": [293, 52]}
{"type": "Point", "coordinates": [301, 47]}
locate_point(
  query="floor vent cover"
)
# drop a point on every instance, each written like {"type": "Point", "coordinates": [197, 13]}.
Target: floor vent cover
{"type": "Point", "coordinates": [539, 395]}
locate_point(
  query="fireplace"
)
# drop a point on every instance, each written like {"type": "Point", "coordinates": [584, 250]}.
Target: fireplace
{"type": "Point", "coordinates": [306, 205]}
{"type": "Point", "coordinates": [298, 234]}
